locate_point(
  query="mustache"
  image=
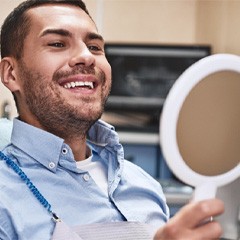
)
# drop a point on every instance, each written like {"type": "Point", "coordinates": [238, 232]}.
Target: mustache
{"type": "Point", "coordinates": [74, 71]}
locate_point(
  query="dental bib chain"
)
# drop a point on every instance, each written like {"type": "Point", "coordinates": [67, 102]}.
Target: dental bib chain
{"type": "Point", "coordinates": [30, 185]}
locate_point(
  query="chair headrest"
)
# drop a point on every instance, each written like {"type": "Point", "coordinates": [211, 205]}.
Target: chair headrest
{"type": "Point", "coordinates": [5, 132]}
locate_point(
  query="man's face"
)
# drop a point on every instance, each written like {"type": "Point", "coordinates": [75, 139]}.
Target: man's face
{"type": "Point", "coordinates": [64, 75]}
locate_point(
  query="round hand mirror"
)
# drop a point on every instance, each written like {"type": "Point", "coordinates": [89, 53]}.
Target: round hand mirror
{"type": "Point", "coordinates": [200, 124]}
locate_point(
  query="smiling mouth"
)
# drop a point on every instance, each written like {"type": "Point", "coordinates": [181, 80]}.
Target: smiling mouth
{"type": "Point", "coordinates": [79, 84]}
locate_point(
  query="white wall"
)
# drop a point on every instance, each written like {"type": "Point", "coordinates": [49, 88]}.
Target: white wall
{"type": "Point", "coordinates": [150, 21]}
{"type": "Point", "coordinates": [218, 24]}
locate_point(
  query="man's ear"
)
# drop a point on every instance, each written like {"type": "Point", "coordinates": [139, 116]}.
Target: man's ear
{"type": "Point", "coordinates": [8, 68]}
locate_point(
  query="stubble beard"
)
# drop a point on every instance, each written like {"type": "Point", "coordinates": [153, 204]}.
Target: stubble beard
{"type": "Point", "coordinates": [51, 110]}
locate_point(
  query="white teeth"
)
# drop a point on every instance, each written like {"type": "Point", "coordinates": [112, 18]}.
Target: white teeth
{"type": "Point", "coordinates": [90, 84]}
{"type": "Point", "coordinates": [78, 84]}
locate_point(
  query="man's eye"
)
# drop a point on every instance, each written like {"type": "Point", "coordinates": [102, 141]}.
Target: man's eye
{"type": "Point", "coordinates": [94, 48]}
{"type": "Point", "coordinates": [56, 44]}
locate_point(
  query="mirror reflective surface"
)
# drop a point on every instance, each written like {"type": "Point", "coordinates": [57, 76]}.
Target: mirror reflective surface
{"type": "Point", "coordinates": [208, 126]}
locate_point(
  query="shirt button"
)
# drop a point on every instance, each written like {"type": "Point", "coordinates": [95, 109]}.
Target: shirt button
{"type": "Point", "coordinates": [51, 165]}
{"type": "Point", "coordinates": [86, 177]}
{"type": "Point", "coordinates": [64, 151]}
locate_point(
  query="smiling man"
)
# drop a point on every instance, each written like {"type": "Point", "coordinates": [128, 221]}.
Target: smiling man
{"type": "Point", "coordinates": [62, 158]}
{"type": "Point", "coordinates": [62, 68]}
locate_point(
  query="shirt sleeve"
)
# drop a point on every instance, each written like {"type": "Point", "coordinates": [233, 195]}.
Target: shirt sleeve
{"type": "Point", "coordinates": [142, 195]}
{"type": "Point", "coordinates": [7, 231]}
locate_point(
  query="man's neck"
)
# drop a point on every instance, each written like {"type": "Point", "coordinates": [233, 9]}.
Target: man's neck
{"type": "Point", "coordinates": [79, 148]}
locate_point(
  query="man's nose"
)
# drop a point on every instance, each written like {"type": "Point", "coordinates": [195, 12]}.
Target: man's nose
{"type": "Point", "coordinates": [82, 56]}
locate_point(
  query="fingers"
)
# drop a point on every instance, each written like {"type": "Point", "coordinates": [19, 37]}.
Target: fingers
{"type": "Point", "coordinates": [210, 230]}
{"type": "Point", "coordinates": [193, 214]}
{"type": "Point", "coordinates": [186, 224]}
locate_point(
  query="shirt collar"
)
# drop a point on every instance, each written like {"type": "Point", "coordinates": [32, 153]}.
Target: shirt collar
{"type": "Point", "coordinates": [39, 144]}
{"type": "Point", "coordinates": [102, 134]}
{"type": "Point", "coordinates": [46, 147]}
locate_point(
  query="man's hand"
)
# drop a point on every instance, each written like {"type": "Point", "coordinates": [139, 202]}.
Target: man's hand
{"type": "Point", "coordinates": [188, 223]}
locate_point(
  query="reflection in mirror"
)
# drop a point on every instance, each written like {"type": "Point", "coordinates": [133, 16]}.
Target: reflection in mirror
{"type": "Point", "coordinates": [208, 127]}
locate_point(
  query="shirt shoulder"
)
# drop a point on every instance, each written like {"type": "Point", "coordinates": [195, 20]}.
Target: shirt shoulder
{"type": "Point", "coordinates": [136, 172]}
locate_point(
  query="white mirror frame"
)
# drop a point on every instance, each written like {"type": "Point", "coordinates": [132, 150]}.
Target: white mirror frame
{"type": "Point", "coordinates": [205, 185]}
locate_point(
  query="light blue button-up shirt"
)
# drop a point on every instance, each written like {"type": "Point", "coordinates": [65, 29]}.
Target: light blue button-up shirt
{"type": "Point", "coordinates": [72, 193]}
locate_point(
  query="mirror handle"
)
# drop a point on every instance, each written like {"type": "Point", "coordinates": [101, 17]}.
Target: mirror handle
{"type": "Point", "coordinates": [205, 191]}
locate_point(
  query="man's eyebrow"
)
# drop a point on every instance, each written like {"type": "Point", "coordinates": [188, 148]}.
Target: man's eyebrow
{"type": "Point", "coordinates": [61, 32]}
{"type": "Point", "coordinates": [93, 36]}
{"type": "Point", "coordinates": [66, 33]}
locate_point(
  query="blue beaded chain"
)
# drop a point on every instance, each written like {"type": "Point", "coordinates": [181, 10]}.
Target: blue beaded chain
{"type": "Point", "coordinates": [30, 185]}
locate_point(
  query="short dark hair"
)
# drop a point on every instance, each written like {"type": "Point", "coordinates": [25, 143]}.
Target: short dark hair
{"type": "Point", "coordinates": [17, 25]}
